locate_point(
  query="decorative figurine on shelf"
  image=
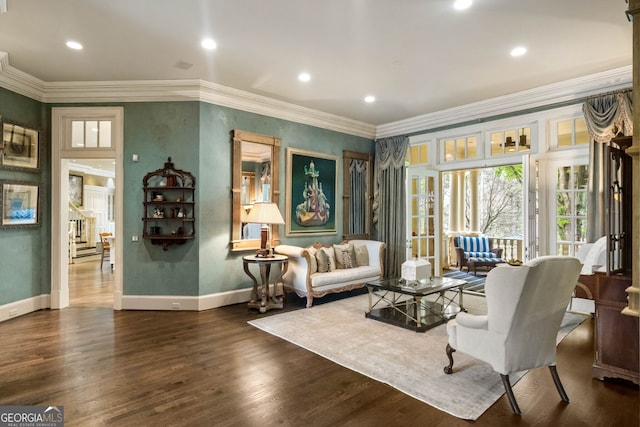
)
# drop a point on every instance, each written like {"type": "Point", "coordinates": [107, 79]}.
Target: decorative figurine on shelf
{"type": "Point", "coordinates": [158, 213]}
{"type": "Point", "coordinates": [180, 213]}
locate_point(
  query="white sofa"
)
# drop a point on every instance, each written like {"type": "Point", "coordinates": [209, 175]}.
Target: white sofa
{"type": "Point", "coordinates": [303, 277]}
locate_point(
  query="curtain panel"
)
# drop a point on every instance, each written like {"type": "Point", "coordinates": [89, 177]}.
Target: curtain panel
{"type": "Point", "coordinates": [389, 205]}
{"type": "Point", "coordinates": [605, 116]}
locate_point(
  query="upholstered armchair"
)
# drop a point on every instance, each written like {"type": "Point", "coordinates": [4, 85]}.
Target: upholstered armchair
{"type": "Point", "coordinates": [476, 249]}
{"type": "Point", "coordinates": [525, 306]}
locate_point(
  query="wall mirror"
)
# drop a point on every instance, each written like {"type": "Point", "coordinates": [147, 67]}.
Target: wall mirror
{"type": "Point", "coordinates": [255, 178]}
{"type": "Point", "coordinates": [357, 195]}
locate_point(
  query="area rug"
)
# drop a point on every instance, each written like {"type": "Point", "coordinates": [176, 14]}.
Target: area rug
{"type": "Point", "coordinates": [408, 361]}
{"type": "Point", "coordinates": [475, 282]}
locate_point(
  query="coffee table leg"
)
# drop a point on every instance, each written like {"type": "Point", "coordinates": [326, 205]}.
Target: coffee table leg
{"type": "Point", "coordinates": [418, 303]}
{"type": "Point", "coordinates": [460, 298]}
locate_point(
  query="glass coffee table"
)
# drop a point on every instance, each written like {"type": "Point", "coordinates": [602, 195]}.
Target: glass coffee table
{"type": "Point", "coordinates": [405, 304]}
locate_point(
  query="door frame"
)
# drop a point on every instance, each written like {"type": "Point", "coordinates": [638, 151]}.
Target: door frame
{"type": "Point", "coordinates": [60, 154]}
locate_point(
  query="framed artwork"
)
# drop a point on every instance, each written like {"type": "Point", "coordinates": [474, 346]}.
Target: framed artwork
{"type": "Point", "coordinates": [20, 146]}
{"type": "Point", "coordinates": [75, 189]}
{"type": "Point", "coordinates": [20, 204]}
{"type": "Point", "coordinates": [312, 182]}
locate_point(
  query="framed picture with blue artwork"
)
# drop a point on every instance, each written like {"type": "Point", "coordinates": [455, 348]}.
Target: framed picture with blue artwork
{"type": "Point", "coordinates": [20, 204]}
{"type": "Point", "coordinates": [312, 183]}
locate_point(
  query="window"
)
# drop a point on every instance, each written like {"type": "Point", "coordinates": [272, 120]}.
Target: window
{"type": "Point", "coordinates": [90, 134]}
{"type": "Point", "coordinates": [417, 154]}
{"type": "Point", "coordinates": [571, 208]}
{"type": "Point", "coordinates": [510, 141]}
{"type": "Point", "coordinates": [572, 132]}
{"type": "Point", "coordinates": [460, 148]}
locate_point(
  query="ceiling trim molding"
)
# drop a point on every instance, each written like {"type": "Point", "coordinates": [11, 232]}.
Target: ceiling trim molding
{"type": "Point", "coordinates": [548, 95]}
{"type": "Point", "coordinates": [199, 90]}
{"type": "Point", "coordinates": [173, 90]}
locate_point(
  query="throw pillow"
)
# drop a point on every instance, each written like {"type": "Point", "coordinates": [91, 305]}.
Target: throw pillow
{"type": "Point", "coordinates": [323, 261]}
{"type": "Point", "coordinates": [313, 263]}
{"type": "Point", "coordinates": [362, 255]}
{"type": "Point", "coordinates": [331, 255]}
{"type": "Point", "coordinates": [345, 256]}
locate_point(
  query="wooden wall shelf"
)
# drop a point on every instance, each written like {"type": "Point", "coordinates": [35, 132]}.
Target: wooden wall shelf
{"type": "Point", "coordinates": [169, 206]}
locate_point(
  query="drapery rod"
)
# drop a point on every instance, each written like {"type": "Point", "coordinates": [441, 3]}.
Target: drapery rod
{"type": "Point", "coordinates": [613, 92]}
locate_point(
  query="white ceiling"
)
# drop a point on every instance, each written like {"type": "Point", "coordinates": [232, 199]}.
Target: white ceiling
{"type": "Point", "coordinates": [415, 56]}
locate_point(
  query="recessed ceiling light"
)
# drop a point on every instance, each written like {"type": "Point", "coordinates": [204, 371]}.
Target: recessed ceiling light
{"type": "Point", "coordinates": [518, 51]}
{"type": "Point", "coordinates": [209, 44]}
{"type": "Point", "coordinates": [369, 99]}
{"type": "Point", "coordinates": [74, 45]}
{"type": "Point", "coordinates": [304, 77]}
{"type": "Point", "coordinates": [462, 4]}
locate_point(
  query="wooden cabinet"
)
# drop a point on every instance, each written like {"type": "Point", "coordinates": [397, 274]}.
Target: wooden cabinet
{"type": "Point", "coordinates": [616, 335]}
{"type": "Point", "coordinates": [169, 206]}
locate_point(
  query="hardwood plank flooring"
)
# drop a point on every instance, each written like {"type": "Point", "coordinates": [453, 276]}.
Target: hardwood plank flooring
{"type": "Point", "coordinates": [139, 368]}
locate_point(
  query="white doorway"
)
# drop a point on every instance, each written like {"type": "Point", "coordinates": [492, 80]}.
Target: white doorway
{"type": "Point", "coordinates": [82, 133]}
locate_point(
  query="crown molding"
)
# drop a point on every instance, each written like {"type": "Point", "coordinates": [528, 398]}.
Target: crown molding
{"type": "Point", "coordinates": [548, 95]}
{"type": "Point", "coordinates": [173, 90]}
{"type": "Point", "coordinates": [204, 91]}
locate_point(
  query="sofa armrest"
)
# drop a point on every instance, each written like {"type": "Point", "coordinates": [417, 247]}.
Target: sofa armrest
{"type": "Point", "coordinates": [497, 251]}
{"type": "Point", "coordinates": [290, 251]}
{"type": "Point", "coordinates": [298, 271]}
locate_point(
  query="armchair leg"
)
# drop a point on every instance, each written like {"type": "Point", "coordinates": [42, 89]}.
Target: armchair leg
{"type": "Point", "coordinates": [449, 369]}
{"type": "Point", "coordinates": [509, 391]}
{"type": "Point", "coordinates": [556, 380]}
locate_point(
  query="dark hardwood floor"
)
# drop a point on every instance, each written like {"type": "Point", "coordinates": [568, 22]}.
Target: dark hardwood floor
{"type": "Point", "coordinates": [143, 368]}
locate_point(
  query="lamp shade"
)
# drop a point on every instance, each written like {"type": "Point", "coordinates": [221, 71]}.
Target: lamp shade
{"type": "Point", "coordinates": [265, 213]}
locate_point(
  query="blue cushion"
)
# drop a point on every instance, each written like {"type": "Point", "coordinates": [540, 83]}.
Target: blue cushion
{"type": "Point", "coordinates": [489, 259]}
{"type": "Point", "coordinates": [474, 244]}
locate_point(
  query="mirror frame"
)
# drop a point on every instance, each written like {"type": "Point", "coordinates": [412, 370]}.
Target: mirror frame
{"type": "Point", "coordinates": [240, 136]}
{"type": "Point", "coordinates": [348, 156]}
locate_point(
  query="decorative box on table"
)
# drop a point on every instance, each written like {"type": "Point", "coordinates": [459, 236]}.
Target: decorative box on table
{"type": "Point", "coordinates": [416, 270]}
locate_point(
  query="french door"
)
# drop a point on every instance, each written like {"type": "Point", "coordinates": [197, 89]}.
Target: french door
{"type": "Point", "coordinates": [423, 216]}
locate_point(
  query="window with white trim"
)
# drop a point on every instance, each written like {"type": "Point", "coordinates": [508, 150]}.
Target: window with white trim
{"type": "Point", "coordinates": [571, 208]}
{"type": "Point", "coordinates": [510, 141]}
{"type": "Point", "coordinates": [90, 134]}
{"type": "Point", "coordinates": [460, 148]}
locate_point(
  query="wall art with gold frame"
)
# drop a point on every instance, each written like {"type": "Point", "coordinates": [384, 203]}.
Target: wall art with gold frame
{"type": "Point", "coordinates": [20, 147]}
{"type": "Point", "coordinates": [312, 183]}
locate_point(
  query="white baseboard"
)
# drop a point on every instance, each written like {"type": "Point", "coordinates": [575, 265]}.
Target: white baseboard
{"type": "Point", "coordinates": [175, 303]}
{"type": "Point", "coordinates": [25, 306]}
{"type": "Point", "coordinates": [138, 302]}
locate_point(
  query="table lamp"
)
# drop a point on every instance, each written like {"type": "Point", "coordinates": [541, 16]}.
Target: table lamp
{"type": "Point", "coordinates": [265, 214]}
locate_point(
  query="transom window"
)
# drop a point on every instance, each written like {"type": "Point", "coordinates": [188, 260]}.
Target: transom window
{"type": "Point", "coordinates": [417, 154]}
{"type": "Point", "coordinates": [572, 132]}
{"type": "Point", "coordinates": [460, 148]}
{"type": "Point", "coordinates": [510, 141]}
{"type": "Point", "coordinates": [90, 134]}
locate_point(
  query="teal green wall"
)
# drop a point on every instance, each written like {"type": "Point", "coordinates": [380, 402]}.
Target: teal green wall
{"type": "Point", "coordinates": [220, 269]}
{"type": "Point", "coordinates": [197, 136]}
{"type": "Point", "coordinates": [25, 254]}
{"type": "Point", "coordinates": [156, 131]}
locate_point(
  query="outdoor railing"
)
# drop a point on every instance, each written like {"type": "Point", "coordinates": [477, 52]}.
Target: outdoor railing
{"type": "Point", "coordinates": [512, 248]}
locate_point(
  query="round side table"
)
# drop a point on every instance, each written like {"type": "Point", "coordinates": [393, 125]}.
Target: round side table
{"type": "Point", "coordinates": [261, 298]}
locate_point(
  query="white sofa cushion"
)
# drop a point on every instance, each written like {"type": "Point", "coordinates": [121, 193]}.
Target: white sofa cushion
{"type": "Point", "coordinates": [343, 275]}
